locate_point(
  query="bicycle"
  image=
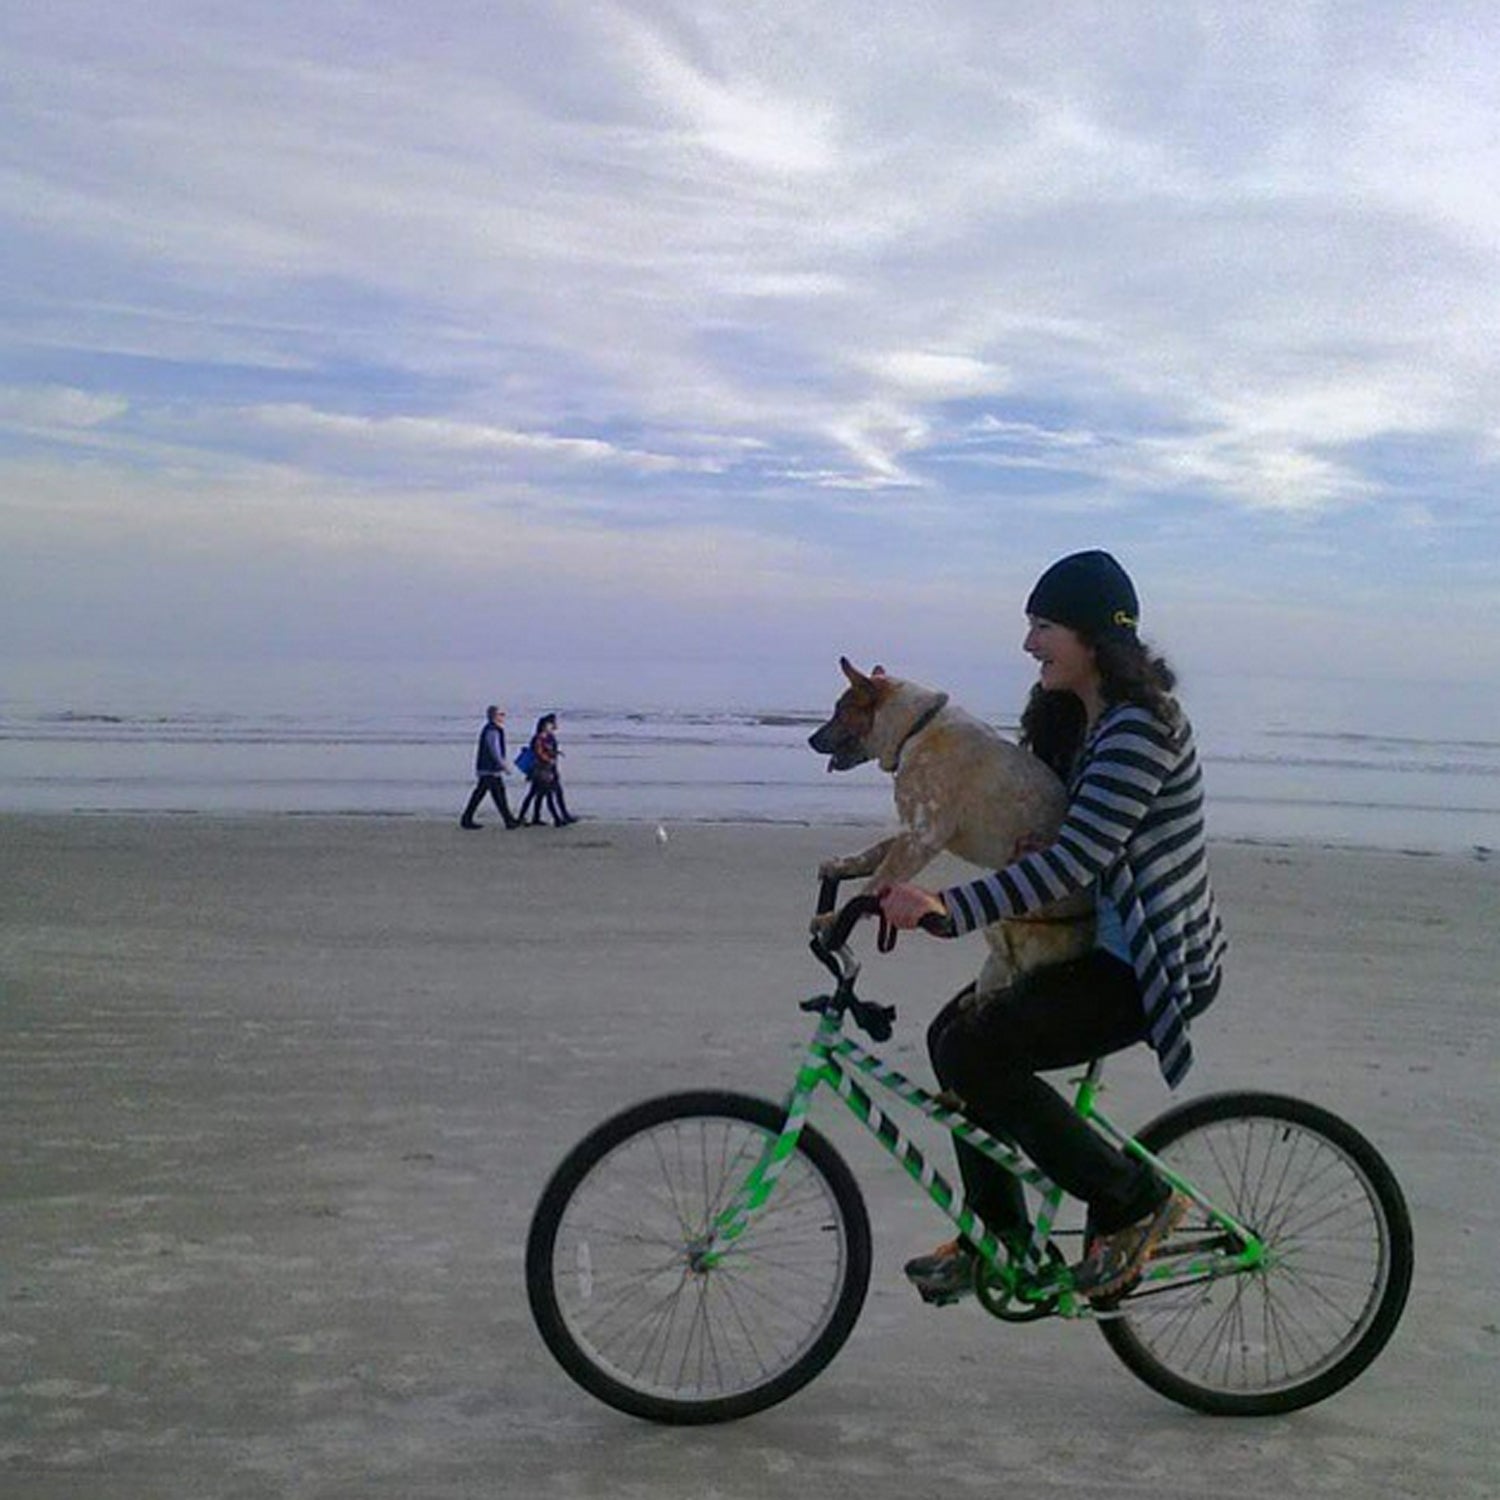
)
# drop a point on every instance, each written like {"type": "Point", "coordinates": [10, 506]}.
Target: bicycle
{"type": "Point", "coordinates": [704, 1255]}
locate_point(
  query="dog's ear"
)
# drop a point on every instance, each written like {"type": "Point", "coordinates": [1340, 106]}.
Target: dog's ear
{"type": "Point", "coordinates": [856, 678]}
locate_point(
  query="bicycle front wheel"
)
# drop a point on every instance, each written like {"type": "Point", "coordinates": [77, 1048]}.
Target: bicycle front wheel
{"type": "Point", "coordinates": [1334, 1281]}
{"type": "Point", "coordinates": [614, 1272]}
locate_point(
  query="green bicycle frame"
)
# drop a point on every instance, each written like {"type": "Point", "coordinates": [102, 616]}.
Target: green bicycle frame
{"type": "Point", "coordinates": [833, 1059]}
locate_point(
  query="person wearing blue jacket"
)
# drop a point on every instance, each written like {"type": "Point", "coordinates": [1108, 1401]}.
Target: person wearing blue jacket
{"type": "Point", "coordinates": [491, 768]}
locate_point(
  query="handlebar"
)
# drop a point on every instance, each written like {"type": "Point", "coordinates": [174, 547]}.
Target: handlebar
{"type": "Point", "coordinates": [859, 907]}
{"type": "Point", "coordinates": [831, 948]}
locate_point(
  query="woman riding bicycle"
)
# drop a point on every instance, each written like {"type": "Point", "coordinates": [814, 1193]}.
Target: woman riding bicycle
{"type": "Point", "coordinates": [1103, 715]}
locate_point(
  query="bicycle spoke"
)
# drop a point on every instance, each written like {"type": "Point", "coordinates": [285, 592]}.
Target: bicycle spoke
{"type": "Point", "coordinates": [1281, 1324]}
{"type": "Point", "coordinates": [647, 1311]}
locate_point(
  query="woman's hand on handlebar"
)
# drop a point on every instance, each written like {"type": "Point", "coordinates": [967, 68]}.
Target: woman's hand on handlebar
{"type": "Point", "coordinates": [904, 906]}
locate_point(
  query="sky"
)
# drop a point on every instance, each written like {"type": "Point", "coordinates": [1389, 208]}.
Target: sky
{"type": "Point", "coordinates": [643, 350]}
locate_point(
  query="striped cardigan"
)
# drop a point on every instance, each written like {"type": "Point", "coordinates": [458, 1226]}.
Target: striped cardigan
{"type": "Point", "coordinates": [1134, 828]}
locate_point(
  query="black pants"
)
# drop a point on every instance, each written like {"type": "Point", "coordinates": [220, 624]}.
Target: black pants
{"type": "Point", "coordinates": [989, 1055]}
{"type": "Point", "coordinates": [495, 787]}
{"type": "Point", "coordinates": [548, 792]}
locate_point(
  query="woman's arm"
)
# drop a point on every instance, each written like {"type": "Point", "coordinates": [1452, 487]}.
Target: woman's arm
{"type": "Point", "coordinates": [1130, 758]}
{"type": "Point", "coordinates": [1127, 764]}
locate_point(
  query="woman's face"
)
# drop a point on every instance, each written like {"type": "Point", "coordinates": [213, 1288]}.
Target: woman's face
{"type": "Point", "coordinates": [1067, 663]}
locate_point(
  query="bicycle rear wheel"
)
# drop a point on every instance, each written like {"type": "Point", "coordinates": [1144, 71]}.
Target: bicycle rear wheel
{"type": "Point", "coordinates": [1334, 1282]}
{"type": "Point", "coordinates": [613, 1267]}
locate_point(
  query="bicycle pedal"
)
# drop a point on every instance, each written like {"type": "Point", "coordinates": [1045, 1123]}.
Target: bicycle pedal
{"type": "Point", "coordinates": [942, 1299]}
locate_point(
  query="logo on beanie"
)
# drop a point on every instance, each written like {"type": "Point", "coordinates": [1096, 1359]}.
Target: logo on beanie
{"type": "Point", "coordinates": [1128, 621]}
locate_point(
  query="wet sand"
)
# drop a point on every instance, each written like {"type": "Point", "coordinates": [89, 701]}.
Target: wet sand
{"type": "Point", "coordinates": [278, 1095]}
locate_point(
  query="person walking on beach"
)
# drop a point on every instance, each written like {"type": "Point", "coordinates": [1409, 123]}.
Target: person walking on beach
{"type": "Point", "coordinates": [1103, 714]}
{"type": "Point", "coordinates": [541, 770]}
{"type": "Point", "coordinates": [490, 769]}
{"type": "Point", "coordinates": [558, 802]}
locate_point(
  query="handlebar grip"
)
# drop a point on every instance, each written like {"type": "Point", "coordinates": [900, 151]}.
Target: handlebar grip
{"type": "Point", "coordinates": [938, 926]}
{"type": "Point", "coordinates": [850, 913]}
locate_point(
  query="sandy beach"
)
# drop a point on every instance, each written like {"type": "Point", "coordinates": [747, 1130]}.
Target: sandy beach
{"type": "Point", "coordinates": [278, 1095]}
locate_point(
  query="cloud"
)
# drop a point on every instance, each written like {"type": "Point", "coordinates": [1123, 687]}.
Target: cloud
{"type": "Point", "coordinates": [937, 376]}
{"type": "Point", "coordinates": [43, 408]}
{"type": "Point", "coordinates": [437, 437]}
{"type": "Point", "coordinates": [823, 275]}
{"type": "Point", "coordinates": [740, 118]}
{"type": "Point", "coordinates": [1278, 476]}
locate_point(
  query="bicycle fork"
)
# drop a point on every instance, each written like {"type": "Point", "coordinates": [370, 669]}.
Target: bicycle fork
{"type": "Point", "coordinates": [730, 1223]}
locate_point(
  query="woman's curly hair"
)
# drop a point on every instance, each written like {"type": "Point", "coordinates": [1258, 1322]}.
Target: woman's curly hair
{"type": "Point", "coordinates": [1053, 723]}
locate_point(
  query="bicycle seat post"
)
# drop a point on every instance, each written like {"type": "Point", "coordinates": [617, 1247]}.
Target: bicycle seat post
{"type": "Point", "coordinates": [1088, 1087]}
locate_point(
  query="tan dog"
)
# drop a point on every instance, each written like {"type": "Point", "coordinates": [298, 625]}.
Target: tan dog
{"type": "Point", "coordinates": [959, 787]}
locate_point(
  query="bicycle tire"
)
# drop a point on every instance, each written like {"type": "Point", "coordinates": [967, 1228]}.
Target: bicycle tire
{"type": "Point", "coordinates": [614, 1292]}
{"type": "Point", "coordinates": [1331, 1291]}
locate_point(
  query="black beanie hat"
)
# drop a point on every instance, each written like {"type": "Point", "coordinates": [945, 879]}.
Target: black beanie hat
{"type": "Point", "coordinates": [1088, 592]}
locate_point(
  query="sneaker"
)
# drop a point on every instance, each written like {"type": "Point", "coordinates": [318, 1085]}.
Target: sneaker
{"type": "Point", "coordinates": [1115, 1261]}
{"type": "Point", "coordinates": [945, 1275]}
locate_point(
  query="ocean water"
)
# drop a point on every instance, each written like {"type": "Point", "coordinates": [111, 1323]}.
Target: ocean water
{"type": "Point", "coordinates": [1284, 763]}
